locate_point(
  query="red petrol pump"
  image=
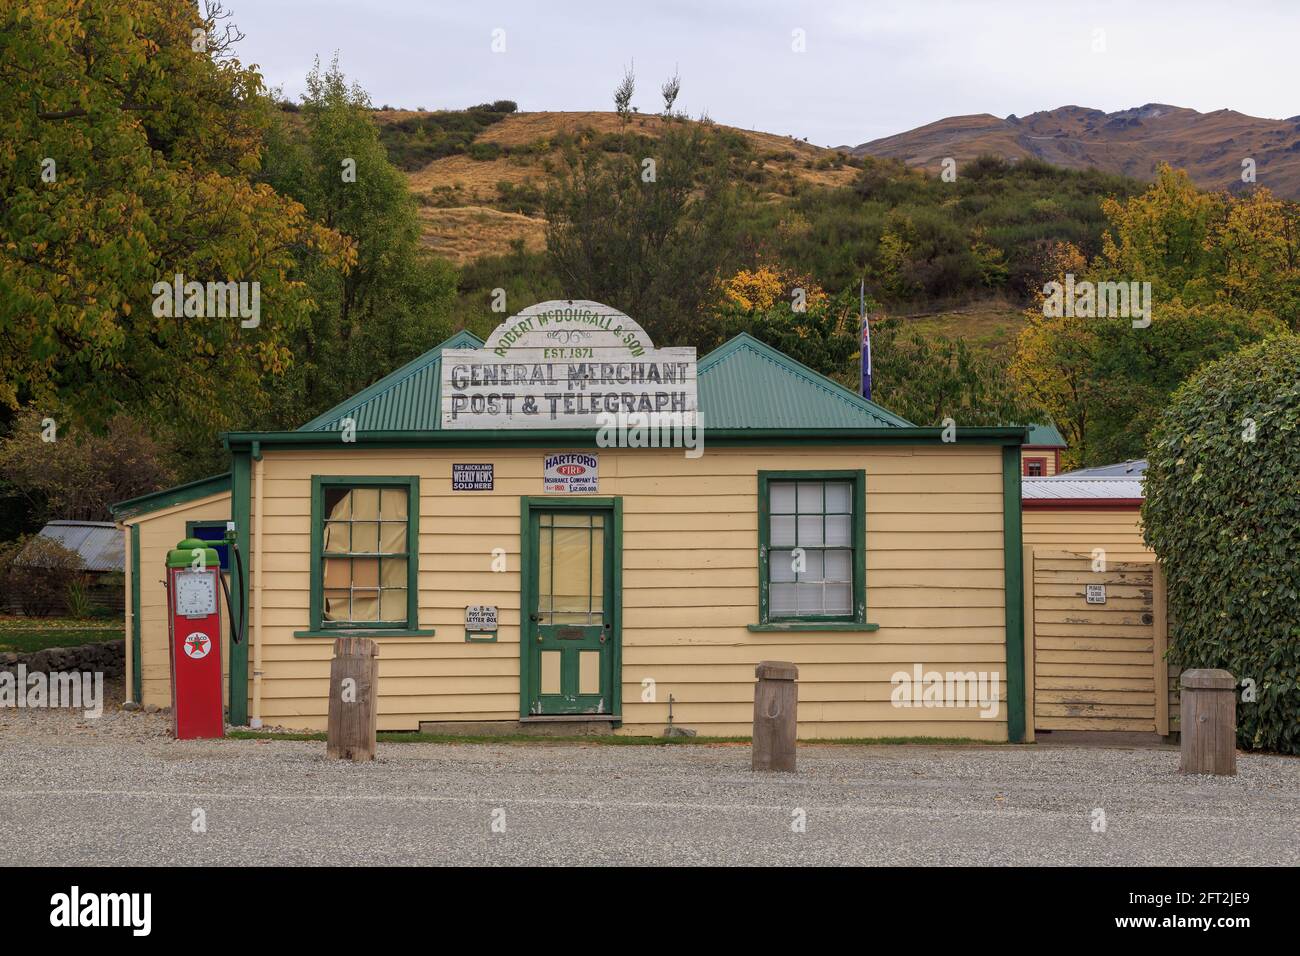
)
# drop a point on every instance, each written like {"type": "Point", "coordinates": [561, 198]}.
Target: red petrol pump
{"type": "Point", "coordinates": [194, 636]}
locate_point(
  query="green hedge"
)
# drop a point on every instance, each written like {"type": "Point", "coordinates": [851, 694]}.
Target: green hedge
{"type": "Point", "coordinates": [1223, 514]}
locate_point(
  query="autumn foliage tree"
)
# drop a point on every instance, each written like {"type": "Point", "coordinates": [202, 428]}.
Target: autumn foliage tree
{"type": "Point", "coordinates": [130, 133]}
{"type": "Point", "coordinates": [1224, 272]}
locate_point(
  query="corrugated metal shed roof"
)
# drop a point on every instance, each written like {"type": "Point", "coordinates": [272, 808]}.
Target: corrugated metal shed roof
{"type": "Point", "coordinates": [742, 384]}
{"type": "Point", "coordinates": [99, 543]}
{"type": "Point", "coordinates": [1076, 489]}
{"type": "Point", "coordinates": [1125, 469]}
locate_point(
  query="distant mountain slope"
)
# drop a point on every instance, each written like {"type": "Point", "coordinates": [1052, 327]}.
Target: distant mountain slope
{"type": "Point", "coordinates": [1210, 146]}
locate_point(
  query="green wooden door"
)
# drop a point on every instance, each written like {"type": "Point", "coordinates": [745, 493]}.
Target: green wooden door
{"type": "Point", "coordinates": [568, 621]}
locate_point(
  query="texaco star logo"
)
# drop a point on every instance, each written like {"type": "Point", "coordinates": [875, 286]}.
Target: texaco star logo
{"type": "Point", "coordinates": [197, 645]}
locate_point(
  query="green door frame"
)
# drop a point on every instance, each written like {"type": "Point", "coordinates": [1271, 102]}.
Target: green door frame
{"type": "Point", "coordinates": [527, 598]}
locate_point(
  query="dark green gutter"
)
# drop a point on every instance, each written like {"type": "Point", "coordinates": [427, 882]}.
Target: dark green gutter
{"type": "Point", "coordinates": [586, 437]}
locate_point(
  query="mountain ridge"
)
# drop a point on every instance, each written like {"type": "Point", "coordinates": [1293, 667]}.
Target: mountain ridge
{"type": "Point", "coordinates": [1132, 142]}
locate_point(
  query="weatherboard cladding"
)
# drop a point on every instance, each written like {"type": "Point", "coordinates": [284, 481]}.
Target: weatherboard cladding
{"type": "Point", "coordinates": [742, 384]}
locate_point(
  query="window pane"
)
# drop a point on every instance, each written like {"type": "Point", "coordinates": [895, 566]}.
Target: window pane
{"type": "Point", "coordinates": [365, 605]}
{"type": "Point", "coordinates": [365, 573]}
{"type": "Point", "coordinates": [392, 604]}
{"type": "Point", "coordinates": [338, 503]}
{"type": "Point", "coordinates": [838, 565]}
{"type": "Point", "coordinates": [812, 566]}
{"type": "Point", "coordinates": [810, 530]}
{"type": "Point", "coordinates": [365, 504]}
{"type": "Point", "coordinates": [839, 530]}
{"type": "Point", "coordinates": [392, 537]}
{"type": "Point", "coordinates": [572, 569]}
{"type": "Point", "coordinates": [810, 497]}
{"type": "Point", "coordinates": [337, 573]}
{"type": "Point", "coordinates": [781, 497]}
{"type": "Point", "coordinates": [780, 599]}
{"type": "Point", "coordinates": [782, 531]}
{"type": "Point", "coordinates": [392, 572]}
{"type": "Point", "coordinates": [393, 503]}
{"type": "Point", "coordinates": [780, 566]}
{"type": "Point", "coordinates": [810, 598]}
{"type": "Point", "coordinates": [338, 537]}
{"type": "Point", "coordinates": [336, 605]}
{"type": "Point", "coordinates": [839, 598]}
{"type": "Point", "coordinates": [838, 499]}
{"type": "Point", "coordinates": [365, 537]}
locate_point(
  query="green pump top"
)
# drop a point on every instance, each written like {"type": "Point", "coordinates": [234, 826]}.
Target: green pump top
{"type": "Point", "coordinates": [182, 556]}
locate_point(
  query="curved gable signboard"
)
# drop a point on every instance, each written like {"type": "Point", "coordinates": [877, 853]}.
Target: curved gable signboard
{"type": "Point", "coordinates": [567, 364]}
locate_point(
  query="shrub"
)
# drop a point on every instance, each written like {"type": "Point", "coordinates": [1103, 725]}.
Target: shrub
{"type": "Point", "coordinates": [36, 575]}
{"type": "Point", "coordinates": [1222, 511]}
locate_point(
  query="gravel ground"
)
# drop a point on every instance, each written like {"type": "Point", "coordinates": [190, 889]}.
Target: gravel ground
{"type": "Point", "coordinates": [118, 790]}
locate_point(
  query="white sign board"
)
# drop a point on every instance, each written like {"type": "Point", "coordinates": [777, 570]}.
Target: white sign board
{"type": "Point", "coordinates": [1096, 594]}
{"type": "Point", "coordinates": [572, 473]}
{"type": "Point", "coordinates": [566, 364]}
{"type": "Point", "coordinates": [480, 617]}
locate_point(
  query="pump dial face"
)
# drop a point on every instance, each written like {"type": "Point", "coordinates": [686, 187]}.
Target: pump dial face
{"type": "Point", "coordinates": [196, 593]}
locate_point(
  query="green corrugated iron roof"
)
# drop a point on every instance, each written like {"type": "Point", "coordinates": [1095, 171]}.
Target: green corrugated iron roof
{"type": "Point", "coordinates": [747, 384]}
{"type": "Point", "coordinates": [742, 384]}
{"type": "Point", "coordinates": [406, 400]}
{"type": "Point", "coordinates": [1045, 435]}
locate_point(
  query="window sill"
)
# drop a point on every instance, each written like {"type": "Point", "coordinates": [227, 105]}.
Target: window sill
{"type": "Point", "coordinates": [358, 632]}
{"type": "Point", "coordinates": [814, 626]}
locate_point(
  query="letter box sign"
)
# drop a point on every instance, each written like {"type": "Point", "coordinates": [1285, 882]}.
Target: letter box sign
{"type": "Point", "coordinates": [574, 473]}
{"type": "Point", "coordinates": [566, 364]}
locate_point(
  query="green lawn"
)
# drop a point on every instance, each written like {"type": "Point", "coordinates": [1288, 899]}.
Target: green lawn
{"type": "Point", "coordinates": [27, 634]}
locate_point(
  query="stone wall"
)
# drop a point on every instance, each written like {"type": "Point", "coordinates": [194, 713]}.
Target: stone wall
{"type": "Point", "coordinates": [109, 658]}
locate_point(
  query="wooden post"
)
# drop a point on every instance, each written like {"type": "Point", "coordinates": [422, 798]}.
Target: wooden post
{"type": "Point", "coordinates": [354, 689]}
{"type": "Point", "coordinates": [776, 703]}
{"type": "Point", "coordinates": [1209, 722]}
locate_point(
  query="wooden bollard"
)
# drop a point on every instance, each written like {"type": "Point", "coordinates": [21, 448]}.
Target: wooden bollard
{"type": "Point", "coordinates": [1208, 722]}
{"type": "Point", "coordinates": [776, 705]}
{"type": "Point", "coordinates": [354, 687]}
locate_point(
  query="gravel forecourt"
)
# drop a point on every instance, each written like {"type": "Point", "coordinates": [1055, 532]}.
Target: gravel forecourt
{"type": "Point", "coordinates": [118, 790]}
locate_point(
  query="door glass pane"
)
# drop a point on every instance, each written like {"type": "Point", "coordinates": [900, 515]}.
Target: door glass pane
{"type": "Point", "coordinates": [570, 569]}
{"type": "Point", "coordinates": [589, 672]}
{"type": "Point", "coordinates": [550, 672]}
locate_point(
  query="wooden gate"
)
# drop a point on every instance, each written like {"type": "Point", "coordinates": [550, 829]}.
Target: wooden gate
{"type": "Point", "coordinates": [1095, 644]}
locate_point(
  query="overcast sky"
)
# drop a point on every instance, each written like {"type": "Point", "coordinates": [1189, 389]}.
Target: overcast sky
{"type": "Point", "coordinates": [869, 68]}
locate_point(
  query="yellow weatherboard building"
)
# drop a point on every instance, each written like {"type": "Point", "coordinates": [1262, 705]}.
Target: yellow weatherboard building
{"type": "Point", "coordinates": [488, 514]}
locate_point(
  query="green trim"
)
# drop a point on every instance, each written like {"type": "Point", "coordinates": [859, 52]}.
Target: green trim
{"type": "Point", "coordinates": [137, 678]}
{"type": "Point", "coordinates": [1013, 561]}
{"type": "Point", "coordinates": [241, 504]}
{"type": "Point", "coordinates": [528, 597]}
{"type": "Point", "coordinates": [181, 494]}
{"type": "Point", "coordinates": [586, 438]}
{"type": "Point", "coordinates": [317, 627]}
{"type": "Point", "coordinates": [813, 626]}
{"type": "Point", "coordinates": [367, 632]}
{"type": "Point", "coordinates": [857, 620]}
